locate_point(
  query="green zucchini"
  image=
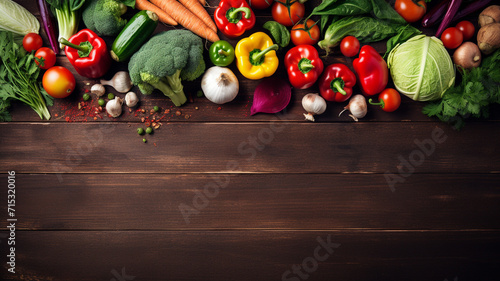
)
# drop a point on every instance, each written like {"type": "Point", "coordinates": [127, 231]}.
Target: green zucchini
{"type": "Point", "coordinates": [134, 34]}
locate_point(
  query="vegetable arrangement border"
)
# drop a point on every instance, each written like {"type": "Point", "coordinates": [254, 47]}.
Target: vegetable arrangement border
{"type": "Point", "coordinates": [421, 67]}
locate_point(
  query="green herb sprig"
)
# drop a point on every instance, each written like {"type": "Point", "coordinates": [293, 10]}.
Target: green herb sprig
{"type": "Point", "coordinates": [18, 79]}
{"type": "Point", "coordinates": [479, 88]}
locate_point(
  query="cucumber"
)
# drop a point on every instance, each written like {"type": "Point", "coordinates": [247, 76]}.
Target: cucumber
{"type": "Point", "coordinates": [134, 34]}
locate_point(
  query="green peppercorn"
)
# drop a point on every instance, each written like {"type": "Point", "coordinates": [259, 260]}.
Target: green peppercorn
{"type": "Point", "coordinates": [144, 140]}
{"type": "Point", "coordinates": [156, 108]}
{"type": "Point", "coordinates": [101, 102]}
{"type": "Point", "coordinates": [86, 97]}
{"type": "Point", "coordinates": [140, 131]}
{"type": "Point", "coordinates": [199, 93]}
{"type": "Point", "coordinates": [149, 130]}
{"type": "Point", "coordinates": [111, 96]}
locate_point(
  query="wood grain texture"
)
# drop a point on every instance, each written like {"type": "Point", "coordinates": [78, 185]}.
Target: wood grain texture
{"type": "Point", "coordinates": [256, 255]}
{"type": "Point", "coordinates": [263, 201]}
{"type": "Point", "coordinates": [264, 147]}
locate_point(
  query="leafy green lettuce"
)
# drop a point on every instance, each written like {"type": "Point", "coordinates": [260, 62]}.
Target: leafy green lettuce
{"type": "Point", "coordinates": [421, 68]}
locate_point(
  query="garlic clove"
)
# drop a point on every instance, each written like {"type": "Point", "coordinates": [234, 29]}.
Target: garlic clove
{"type": "Point", "coordinates": [314, 104]}
{"type": "Point", "coordinates": [131, 99]}
{"type": "Point", "coordinates": [114, 107]}
{"type": "Point", "coordinates": [121, 82]}
{"type": "Point", "coordinates": [98, 90]}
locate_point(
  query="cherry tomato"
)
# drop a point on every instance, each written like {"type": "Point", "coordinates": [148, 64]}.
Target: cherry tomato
{"type": "Point", "coordinates": [410, 10]}
{"type": "Point", "coordinates": [45, 58]}
{"type": "Point", "coordinates": [260, 4]}
{"type": "Point", "coordinates": [452, 38]}
{"type": "Point", "coordinates": [305, 34]}
{"type": "Point", "coordinates": [349, 46]}
{"type": "Point", "coordinates": [288, 13]}
{"type": "Point", "coordinates": [58, 81]}
{"type": "Point", "coordinates": [389, 100]}
{"type": "Point", "coordinates": [32, 41]}
{"type": "Point", "coordinates": [467, 29]}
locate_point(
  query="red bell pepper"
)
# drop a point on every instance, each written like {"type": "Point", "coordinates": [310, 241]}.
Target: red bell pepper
{"type": "Point", "coordinates": [337, 82]}
{"type": "Point", "coordinates": [234, 17]}
{"type": "Point", "coordinates": [88, 53]}
{"type": "Point", "coordinates": [372, 71]}
{"type": "Point", "coordinates": [304, 66]}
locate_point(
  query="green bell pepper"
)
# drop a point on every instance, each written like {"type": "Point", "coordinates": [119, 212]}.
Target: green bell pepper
{"type": "Point", "coordinates": [221, 53]}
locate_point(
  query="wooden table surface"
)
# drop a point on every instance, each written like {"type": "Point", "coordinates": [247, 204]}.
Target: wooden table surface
{"type": "Point", "coordinates": [217, 194]}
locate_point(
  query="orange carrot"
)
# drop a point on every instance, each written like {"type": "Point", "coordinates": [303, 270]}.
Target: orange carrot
{"type": "Point", "coordinates": [202, 2]}
{"type": "Point", "coordinates": [183, 16]}
{"type": "Point", "coordinates": [162, 15]}
{"type": "Point", "coordinates": [197, 9]}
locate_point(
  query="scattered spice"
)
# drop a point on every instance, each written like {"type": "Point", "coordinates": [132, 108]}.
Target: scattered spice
{"type": "Point", "coordinates": [101, 102]}
{"type": "Point", "coordinates": [140, 131]}
{"type": "Point", "coordinates": [156, 108]}
{"type": "Point", "coordinates": [144, 140]}
{"type": "Point", "coordinates": [219, 108]}
{"type": "Point", "coordinates": [196, 108]}
{"type": "Point", "coordinates": [111, 96]}
{"type": "Point", "coordinates": [86, 97]}
{"type": "Point", "coordinates": [149, 130]}
{"type": "Point", "coordinates": [187, 116]}
{"type": "Point", "coordinates": [178, 113]}
{"type": "Point", "coordinates": [167, 111]}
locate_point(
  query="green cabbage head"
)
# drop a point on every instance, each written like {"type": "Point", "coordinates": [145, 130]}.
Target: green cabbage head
{"type": "Point", "coordinates": [421, 68]}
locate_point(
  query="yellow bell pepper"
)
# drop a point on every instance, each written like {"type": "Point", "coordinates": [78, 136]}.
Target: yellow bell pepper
{"type": "Point", "coordinates": [256, 56]}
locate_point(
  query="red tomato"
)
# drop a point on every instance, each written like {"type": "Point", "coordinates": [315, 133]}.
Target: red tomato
{"type": "Point", "coordinates": [260, 4]}
{"type": "Point", "coordinates": [410, 10]}
{"type": "Point", "coordinates": [45, 58]}
{"type": "Point", "coordinates": [288, 13]}
{"type": "Point", "coordinates": [389, 100]}
{"type": "Point", "coordinates": [452, 38]}
{"type": "Point", "coordinates": [467, 29]}
{"type": "Point", "coordinates": [305, 34]}
{"type": "Point", "coordinates": [32, 41]}
{"type": "Point", "coordinates": [349, 46]}
{"type": "Point", "coordinates": [58, 81]}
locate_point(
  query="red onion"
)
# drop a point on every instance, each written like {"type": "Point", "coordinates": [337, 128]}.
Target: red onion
{"type": "Point", "coordinates": [272, 95]}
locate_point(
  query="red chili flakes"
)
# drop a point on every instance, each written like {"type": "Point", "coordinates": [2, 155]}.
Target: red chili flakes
{"type": "Point", "coordinates": [219, 108]}
{"type": "Point", "coordinates": [167, 111]}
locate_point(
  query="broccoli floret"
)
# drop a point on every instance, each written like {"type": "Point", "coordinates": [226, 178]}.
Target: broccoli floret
{"type": "Point", "coordinates": [165, 60]}
{"type": "Point", "coordinates": [104, 16]}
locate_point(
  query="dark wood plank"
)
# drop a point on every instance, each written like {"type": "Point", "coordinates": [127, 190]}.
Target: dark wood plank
{"type": "Point", "coordinates": [255, 255]}
{"type": "Point", "coordinates": [263, 147]}
{"type": "Point", "coordinates": [153, 202]}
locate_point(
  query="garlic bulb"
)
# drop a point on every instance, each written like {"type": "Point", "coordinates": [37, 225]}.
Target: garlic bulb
{"type": "Point", "coordinates": [114, 107]}
{"type": "Point", "coordinates": [98, 90]}
{"type": "Point", "coordinates": [219, 84]}
{"type": "Point", "coordinates": [120, 81]}
{"type": "Point", "coordinates": [314, 104]}
{"type": "Point", "coordinates": [131, 99]}
{"type": "Point", "coordinates": [357, 106]}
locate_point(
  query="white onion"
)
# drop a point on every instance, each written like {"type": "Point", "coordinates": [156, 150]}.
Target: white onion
{"type": "Point", "coordinates": [220, 85]}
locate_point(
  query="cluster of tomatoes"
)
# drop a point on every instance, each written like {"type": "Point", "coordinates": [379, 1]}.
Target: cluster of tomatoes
{"type": "Point", "coordinates": [453, 37]}
{"type": "Point", "coordinates": [290, 13]}
{"type": "Point", "coordinates": [57, 81]}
